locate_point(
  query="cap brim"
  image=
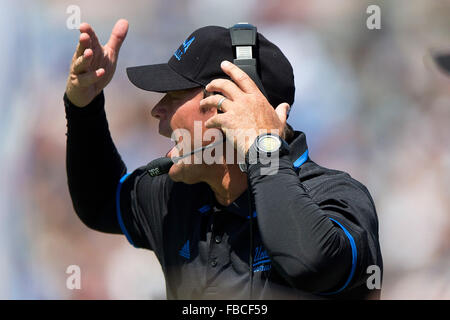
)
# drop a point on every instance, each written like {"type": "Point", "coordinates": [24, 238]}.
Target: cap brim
{"type": "Point", "coordinates": [443, 61]}
{"type": "Point", "coordinates": [159, 78]}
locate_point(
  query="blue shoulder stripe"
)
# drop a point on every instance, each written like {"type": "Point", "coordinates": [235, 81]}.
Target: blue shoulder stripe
{"type": "Point", "coordinates": [301, 160]}
{"type": "Point", "coordinates": [118, 211]}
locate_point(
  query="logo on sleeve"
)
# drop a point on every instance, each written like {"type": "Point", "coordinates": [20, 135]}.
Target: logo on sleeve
{"type": "Point", "coordinates": [261, 260]}
{"type": "Point", "coordinates": [185, 251]}
{"type": "Point", "coordinates": [183, 48]}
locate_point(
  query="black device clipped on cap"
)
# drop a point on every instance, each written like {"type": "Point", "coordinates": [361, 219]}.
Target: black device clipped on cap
{"type": "Point", "coordinates": [243, 40]}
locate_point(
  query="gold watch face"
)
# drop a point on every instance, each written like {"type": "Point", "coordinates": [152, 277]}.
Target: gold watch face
{"type": "Point", "coordinates": [269, 143]}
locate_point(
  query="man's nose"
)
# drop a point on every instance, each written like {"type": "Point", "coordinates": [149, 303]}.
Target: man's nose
{"type": "Point", "coordinates": [159, 111]}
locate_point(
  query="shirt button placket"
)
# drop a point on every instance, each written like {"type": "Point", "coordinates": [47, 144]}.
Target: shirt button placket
{"type": "Point", "coordinates": [213, 259]}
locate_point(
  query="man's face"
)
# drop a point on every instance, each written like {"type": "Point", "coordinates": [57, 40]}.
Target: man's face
{"type": "Point", "coordinates": [179, 110]}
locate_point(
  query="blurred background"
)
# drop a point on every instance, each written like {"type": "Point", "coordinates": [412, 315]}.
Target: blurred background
{"type": "Point", "coordinates": [366, 100]}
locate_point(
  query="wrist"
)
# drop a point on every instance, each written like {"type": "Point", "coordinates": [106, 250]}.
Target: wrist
{"type": "Point", "coordinates": [265, 149]}
{"type": "Point", "coordinates": [94, 107]}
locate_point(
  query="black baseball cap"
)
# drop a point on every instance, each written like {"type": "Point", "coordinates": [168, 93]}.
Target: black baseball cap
{"type": "Point", "coordinates": [197, 62]}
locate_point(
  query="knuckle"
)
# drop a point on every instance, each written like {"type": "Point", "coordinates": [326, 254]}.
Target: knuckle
{"type": "Point", "coordinates": [234, 69]}
{"type": "Point", "coordinates": [76, 64]}
{"type": "Point", "coordinates": [79, 60]}
{"type": "Point", "coordinates": [249, 99]}
{"type": "Point", "coordinates": [216, 83]}
{"type": "Point", "coordinates": [228, 84]}
{"type": "Point", "coordinates": [215, 121]}
{"type": "Point", "coordinates": [73, 78]}
{"type": "Point", "coordinates": [85, 79]}
{"type": "Point", "coordinates": [206, 101]}
{"type": "Point", "coordinates": [212, 83]}
{"type": "Point", "coordinates": [242, 77]}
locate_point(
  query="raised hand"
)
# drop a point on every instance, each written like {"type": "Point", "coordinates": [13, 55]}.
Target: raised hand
{"type": "Point", "coordinates": [93, 65]}
{"type": "Point", "coordinates": [245, 111]}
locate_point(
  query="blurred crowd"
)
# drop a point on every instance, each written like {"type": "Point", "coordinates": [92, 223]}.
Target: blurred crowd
{"type": "Point", "coordinates": [366, 99]}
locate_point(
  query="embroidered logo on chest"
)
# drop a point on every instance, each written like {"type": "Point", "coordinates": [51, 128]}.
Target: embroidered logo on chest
{"type": "Point", "coordinates": [261, 260]}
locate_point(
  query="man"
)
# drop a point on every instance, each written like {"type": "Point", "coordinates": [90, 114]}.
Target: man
{"type": "Point", "coordinates": [223, 229]}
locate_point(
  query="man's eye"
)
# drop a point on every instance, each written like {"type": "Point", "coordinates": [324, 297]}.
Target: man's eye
{"type": "Point", "coordinates": [177, 97]}
{"type": "Point", "coordinates": [177, 101]}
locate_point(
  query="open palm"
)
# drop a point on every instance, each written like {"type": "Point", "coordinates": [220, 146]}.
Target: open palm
{"type": "Point", "coordinates": [93, 65]}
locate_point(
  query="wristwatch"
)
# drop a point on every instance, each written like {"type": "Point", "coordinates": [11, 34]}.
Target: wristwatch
{"type": "Point", "coordinates": [265, 146]}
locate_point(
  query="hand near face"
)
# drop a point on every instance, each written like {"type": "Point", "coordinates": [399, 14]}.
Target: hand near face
{"type": "Point", "coordinates": [246, 111]}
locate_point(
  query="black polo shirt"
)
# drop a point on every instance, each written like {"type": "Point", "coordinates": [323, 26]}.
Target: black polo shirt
{"type": "Point", "coordinates": [314, 230]}
{"type": "Point", "coordinates": [204, 247]}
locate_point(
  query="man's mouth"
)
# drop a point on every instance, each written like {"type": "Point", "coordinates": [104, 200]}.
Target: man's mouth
{"type": "Point", "coordinates": [169, 153]}
{"type": "Point", "coordinates": [176, 150]}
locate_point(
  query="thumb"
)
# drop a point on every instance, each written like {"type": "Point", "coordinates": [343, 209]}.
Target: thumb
{"type": "Point", "coordinates": [282, 112]}
{"type": "Point", "coordinates": [118, 35]}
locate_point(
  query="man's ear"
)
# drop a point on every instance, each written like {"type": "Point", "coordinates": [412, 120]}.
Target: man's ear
{"type": "Point", "coordinates": [205, 95]}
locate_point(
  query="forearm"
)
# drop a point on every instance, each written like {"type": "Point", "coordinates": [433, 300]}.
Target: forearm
{"type": "Point", "coordinates": [94, 166]}
{"type": "Point", "coordinates": [303, 243]}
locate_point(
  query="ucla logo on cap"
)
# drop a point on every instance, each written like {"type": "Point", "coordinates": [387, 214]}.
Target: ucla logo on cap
{"type": "Point", "coordinates": [182, 50]}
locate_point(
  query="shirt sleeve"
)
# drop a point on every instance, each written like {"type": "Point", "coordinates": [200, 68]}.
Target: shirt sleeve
{"type": "Point", "coordinates": [104, 196]}
{"type": "Point", "coordinates": [318, 239]}
{"type": "Point", "coordinates": [93, 165]}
